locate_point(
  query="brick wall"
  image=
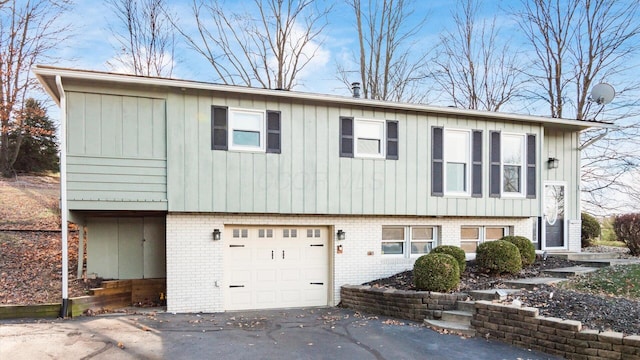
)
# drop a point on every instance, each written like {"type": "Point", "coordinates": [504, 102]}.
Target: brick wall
{"type": "Point", "coordinates": [195, 264]}
{"type": "Point", "coordinates": [521, 326]}
{"type": "Point", "coordinates": [410, 305]}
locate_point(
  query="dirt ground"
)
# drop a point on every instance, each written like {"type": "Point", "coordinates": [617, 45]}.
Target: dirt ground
{"type": "Point", "coordinates": [31, 243]}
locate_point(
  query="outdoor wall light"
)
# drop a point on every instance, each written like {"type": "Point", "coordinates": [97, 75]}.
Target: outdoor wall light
{"type": "Point", "coordinates": [553, 163]}
{"type": "Point", "coordinates": [341, 235]}
{"type": "Point", "coordinates": [216, 234]}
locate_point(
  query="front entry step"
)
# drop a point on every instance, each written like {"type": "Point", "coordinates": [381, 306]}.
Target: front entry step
{"type": "Point", "coordinates": [570, 271]}
{"type": "Point", "coordinates": [532, 283]}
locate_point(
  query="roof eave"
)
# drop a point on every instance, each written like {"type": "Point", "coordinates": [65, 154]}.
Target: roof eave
{"type": "Point", "coordinates": [42, 72]}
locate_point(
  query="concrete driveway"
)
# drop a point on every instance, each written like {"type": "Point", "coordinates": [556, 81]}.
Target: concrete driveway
{"type": "Point", "coordinates": [319, 333]}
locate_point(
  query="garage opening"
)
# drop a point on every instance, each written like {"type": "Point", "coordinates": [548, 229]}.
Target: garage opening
{"type": "Point", "coordinates": [269, 267]}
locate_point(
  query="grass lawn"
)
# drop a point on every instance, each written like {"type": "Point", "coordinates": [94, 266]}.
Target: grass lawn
{"type": "Point", "coordinates": [608, 243]}
{"type": "Point", "coordinates": [621, 280]}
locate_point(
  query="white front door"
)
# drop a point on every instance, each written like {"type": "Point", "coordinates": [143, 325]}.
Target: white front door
{"type": "Point", "coordinates": [270, 267]}
{"type": "Point", "coordinates": [555, 209]}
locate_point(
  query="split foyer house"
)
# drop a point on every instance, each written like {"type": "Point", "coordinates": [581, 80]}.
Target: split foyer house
{"type": "Point", "coordinates": [248, 198]}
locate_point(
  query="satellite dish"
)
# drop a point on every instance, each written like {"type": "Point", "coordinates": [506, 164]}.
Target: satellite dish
{"type": "Point", "coordinates": [602, 93]}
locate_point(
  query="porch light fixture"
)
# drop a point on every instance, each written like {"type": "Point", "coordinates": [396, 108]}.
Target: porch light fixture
{"type": "Point", "coordinates": [216, 234]}
{"type": "Point", "coordinates": [553, 163]}
{"type": "Point", "coordinates": [341, 235]}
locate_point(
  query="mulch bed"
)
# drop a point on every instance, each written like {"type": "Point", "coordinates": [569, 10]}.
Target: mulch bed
{"type": "Point", "coordinates": [599, 312]}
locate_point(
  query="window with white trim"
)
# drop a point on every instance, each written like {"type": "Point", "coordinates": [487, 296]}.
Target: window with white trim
{"type": "Point", "coordinates": [472, 236]}
{"type": "Point", "coordinates": [246, 130]}
{"type": "Point", "coordinates": [369, 138]}
{"type": "Point", "coordinates": [457, 158]}
{"type": "Point", "coordinates": [513, 163]}
{"type": "Point", "coordinates": [408, 241]}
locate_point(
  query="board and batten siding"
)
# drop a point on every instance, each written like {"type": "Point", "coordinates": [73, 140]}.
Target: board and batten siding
{"type": "Point", "coordinates": [116, 152]}
{"type": "Point", "coordinates": [563, 146]}
{"type": "Point", "coordinates": [309, 176]}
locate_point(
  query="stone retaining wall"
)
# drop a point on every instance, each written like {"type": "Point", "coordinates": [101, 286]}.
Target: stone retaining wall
{"type": "Point", "coordinates": [521, 326]}
{"type": "Point", "coordinates": [410, 305]}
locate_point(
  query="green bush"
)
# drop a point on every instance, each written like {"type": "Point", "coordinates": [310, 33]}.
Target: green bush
{"type": "Point", "coordinates": [454, 251]}
{"type": "Point", "coordinates": [498, 257]}
{"type": "Point", "coordinates": [590, 229]}
{"type": "Point", "coordinates": [627, 228]}
{"type": "Point", "coordinates": [526, 248]}
{"type": "Point", "coordinates": [436, 272]}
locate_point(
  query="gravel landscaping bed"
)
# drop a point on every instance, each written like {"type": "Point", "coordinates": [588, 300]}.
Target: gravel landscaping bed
{"type": "Point", "coordinates": [599, 312]}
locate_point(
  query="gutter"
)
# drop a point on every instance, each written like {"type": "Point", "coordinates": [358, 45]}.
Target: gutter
{"type": "Point", "coordinates": [63, 198]}
{"type": "Point", "coordinates": [590, 142]}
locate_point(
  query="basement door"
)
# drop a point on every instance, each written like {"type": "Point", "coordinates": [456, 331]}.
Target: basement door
{"type": "Point", "coordinates": [275, 267]}
{"type": "Point", "coordinates": [554, 216]}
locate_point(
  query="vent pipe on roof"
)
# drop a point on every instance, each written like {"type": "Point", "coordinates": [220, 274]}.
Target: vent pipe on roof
{"type": "Point", "coordinates": [355, 87]}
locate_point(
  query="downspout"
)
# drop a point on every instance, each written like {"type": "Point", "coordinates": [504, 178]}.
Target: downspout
{"type": "Point", "coordinates": [63, 199]}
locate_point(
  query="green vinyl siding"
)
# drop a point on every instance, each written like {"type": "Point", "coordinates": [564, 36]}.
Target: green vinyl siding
{"type": "Point", "coordinates": [309, 176]}
{"type": "Point", "coordinates": [116, 152]}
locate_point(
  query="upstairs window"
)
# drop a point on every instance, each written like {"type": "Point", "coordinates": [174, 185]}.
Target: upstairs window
{"type": "Point", "coordinates": [513, 165]}
{"type": "Point", "coordinates": [456, 162]}
{"type": "Point", "coordinates": [245, 130]}
{"type": "Point", "coordinates": [457, 156]}
{"type": "Point", "coordinates": [364, 138]}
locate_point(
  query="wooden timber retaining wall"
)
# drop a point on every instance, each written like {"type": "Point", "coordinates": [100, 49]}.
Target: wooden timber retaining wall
{"type": "Point", "coordinates": [113, 294]}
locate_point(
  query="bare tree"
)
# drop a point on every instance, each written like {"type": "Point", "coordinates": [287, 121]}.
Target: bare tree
{"type": "Point", "coordinates": [145, 37]}
{"type": "Point", "coordinates": [391, 64]}
{"type": "Point", "coordinates": [576, 44]}
{"type": "Point", "coordinates": [29, 31]}
{"type": "Point", "coordinates": [472, 66]}
{"type": "Point", "coordinates": [269, 50]}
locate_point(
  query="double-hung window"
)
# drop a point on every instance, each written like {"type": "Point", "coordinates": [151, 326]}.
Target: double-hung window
{"type": "Point", "coordinates": [513, 163]}
{"type": "Point", "coordinates": [456, 162]}
{"type": "Point", "coordinates": [512, 169]}
{"type": "Point", "coordinates": [366, 138]}
{"type": "Point", "coordinates": [369, 136]}
{"type": "Point", "coordinates": [245, 129]}
{"type": "Point", "coordinates": [408, 241]}
{"type": "Point", "coordinates": [457, 158]}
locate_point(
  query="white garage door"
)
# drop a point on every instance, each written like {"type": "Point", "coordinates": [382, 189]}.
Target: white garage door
{"type": "Point", "coordinates": [275, 267]}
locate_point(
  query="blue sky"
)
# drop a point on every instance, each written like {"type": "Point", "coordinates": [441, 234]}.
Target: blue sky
{"type": "Point", "coordinates": [91, 45]}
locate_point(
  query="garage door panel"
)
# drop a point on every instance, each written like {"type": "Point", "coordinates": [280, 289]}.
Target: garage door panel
{"type": "Point", "coordinates": [278, 267]}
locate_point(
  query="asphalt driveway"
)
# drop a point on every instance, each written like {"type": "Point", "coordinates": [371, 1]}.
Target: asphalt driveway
{"type": "Point", "coordinates": [319, 333]}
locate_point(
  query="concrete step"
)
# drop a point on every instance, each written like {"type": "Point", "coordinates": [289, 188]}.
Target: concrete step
{"type": "Point", "coordinates": [585, 256]}
{"type": "Point", "coordinates": [457, 316]}
{"type": "Point", "coordinates": [609, 262]}
{"type": "Point", "coordinates": [469, 306]}
{"type": "Point", "coordinates": [570, 271]}
{"type": "Point", "coordinates": [492, 294]}
{"type": "Point", "coordinates": [532, 283]}
{"type": "Point", "coordinates": [450, 327]}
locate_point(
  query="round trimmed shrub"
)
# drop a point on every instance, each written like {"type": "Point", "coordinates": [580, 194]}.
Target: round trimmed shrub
{"type": "Point", "coordinates": [454, 251]}
{"type": "Point", "coordinates": [436, 272]}
{"type": "Point", "coordinates": [526, 248]}
{"type": "Point", "coordinates": [498, 257]}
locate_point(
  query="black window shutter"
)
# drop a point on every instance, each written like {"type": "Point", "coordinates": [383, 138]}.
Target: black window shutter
{"type": "Point", "coordinates": [531, 166]}
{"type": "Point", "coordinates": [273, 132]}
{"type": "Point", "coordinates": [494, 178]}
{"type": "Point", "coordinates": [346, 136]}
{"type": "Point", "coordinates": [392, 140]}
{"type": "Point", "coordinates": [219, 127]}
{"type": "Point", "coordinates": [437, 162]}
{"type": "Point", "coordinates": [476, 164]}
